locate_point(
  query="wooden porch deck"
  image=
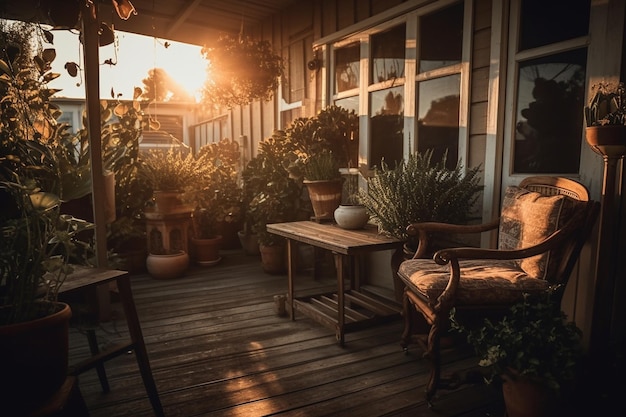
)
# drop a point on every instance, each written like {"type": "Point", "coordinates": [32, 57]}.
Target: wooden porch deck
{"type": "Point", "coordinates": [217, 348]}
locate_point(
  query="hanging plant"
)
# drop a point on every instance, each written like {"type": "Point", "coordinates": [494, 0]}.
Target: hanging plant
{"type": "Point", "coordinates": [240, 70]}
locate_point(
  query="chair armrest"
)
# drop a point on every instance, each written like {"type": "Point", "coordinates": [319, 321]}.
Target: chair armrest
{"type": "Point", "coordinates": [423, 232]}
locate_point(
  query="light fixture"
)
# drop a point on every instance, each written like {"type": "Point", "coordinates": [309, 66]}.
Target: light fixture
{"type": "Point", "coordinates": [124, 8]}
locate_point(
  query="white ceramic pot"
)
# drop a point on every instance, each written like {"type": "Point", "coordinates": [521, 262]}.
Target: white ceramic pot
{"type": "Point", "coordinates": [351, 216]}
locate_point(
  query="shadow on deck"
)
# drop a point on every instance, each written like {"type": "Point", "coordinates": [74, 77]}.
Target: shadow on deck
{"type": "Point", "coordinates": [217, 348]}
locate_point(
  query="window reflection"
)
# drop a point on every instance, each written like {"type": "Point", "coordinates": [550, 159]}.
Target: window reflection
{"type": "Point", "coordinates": [386, 126]}
{"type": "Point", "coordinates": [549, 113]}
{"type": "Point", "coordinates": [347, 67]}
{"type": "Point", "coordinates": [388, 52]}
{"type": "Point", "coordinates": [438, 117]}
{"type": "Point", "coordinates": [441, 38]}
{"type": "Point", "coordinates": [350, 103]}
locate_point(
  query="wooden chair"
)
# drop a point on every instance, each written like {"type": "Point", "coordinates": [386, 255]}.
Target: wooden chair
{"type": "Point", "coordinates": [542, 228]}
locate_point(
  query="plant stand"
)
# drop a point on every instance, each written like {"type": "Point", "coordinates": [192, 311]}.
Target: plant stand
{"type": "Point", "coordinates": [168, 232]}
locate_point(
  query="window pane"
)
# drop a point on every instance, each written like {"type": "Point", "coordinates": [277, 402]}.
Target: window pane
{"type": "Point", "coordinates": [545, 22]}
{"type": "Point", "coordinates": [550, 113]}
{"type": "Point", "coordinates": [386, 126]}
{"type": "Point", "coordinates": [441, 38]}
{"type": "Point", "coordinates": [388, 55]}
{"type": "Point", "coordinates": [349, 103]}
{"type": "Point", "coordinates": [438, 117]}
{"type": "Point", "coordinates": [347, 67]}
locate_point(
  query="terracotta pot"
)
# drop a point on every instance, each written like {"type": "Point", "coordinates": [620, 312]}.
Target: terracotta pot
{"type": "Point", "coordinates": [351, 216]}
{"type": "Point", "coordinates": [526, 397]}
{"type": "Point", "coordinates": [273, 259]}
{"type": "Point", "coordinates": [207, 251]}
{"type": "Point", "coordinates": [607, 140]}
{"type": "Point", "coordinates": [325, 197]}
{"type": "Point", "coordinates": [33, 359]}
{"type": "Point", "coordinates": [170, 202]}
{"type": "Point", "coordinates": [167, 266]}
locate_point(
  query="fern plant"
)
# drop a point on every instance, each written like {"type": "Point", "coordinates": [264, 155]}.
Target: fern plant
{"type": "Point", "coordinates": [416, 190]}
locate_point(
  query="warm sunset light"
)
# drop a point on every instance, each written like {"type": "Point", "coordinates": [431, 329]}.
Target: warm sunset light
{"type": "Point", "coordinates": [128, 65]}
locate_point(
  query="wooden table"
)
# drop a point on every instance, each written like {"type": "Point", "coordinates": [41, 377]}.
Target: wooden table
{"type": "Point", "coordinates": [84, 278]}
{"type": "Point", "coordinates": [362, 308]}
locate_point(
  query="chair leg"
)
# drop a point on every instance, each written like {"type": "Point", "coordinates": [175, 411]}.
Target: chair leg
{"type": "Point", "coordinates": [94, 349]}
{"type": "Point", "coordinates": [433, 355]}
{"type": "Point", "coordinates": [407, 312]}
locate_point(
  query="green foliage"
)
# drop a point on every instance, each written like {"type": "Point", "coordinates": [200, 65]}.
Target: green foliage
{"type": "Point", "coordinates": [533, 340]}
{"type": "Point", "coordinates": [171, 170]}
{"type": "Point", "coordinates": [217, 195]}
{"type": "Point", "coordinates": [417, 190]}
{"type": "Point", "coordinates": [607, 106]}
{"type": "Point", "coordinates": [240, 70]}
{"type": "Point", "coordinates": [37, 242]}
{"type": "Point", "coordinates": [270, 194]}
{"type": "Point", "coordinates": [334, 128]}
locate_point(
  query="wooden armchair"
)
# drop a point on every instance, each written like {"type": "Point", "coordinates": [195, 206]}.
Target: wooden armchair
{"type": "Point", "coordinates": [543, 225]}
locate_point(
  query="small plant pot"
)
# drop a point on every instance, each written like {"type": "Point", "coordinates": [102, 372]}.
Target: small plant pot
{"type": "Point", "coordinates": [325, 197]}
{"type": "Point", "coordinates": [351, 216]}
{"type": "Point", "coordinates": [167, 266]}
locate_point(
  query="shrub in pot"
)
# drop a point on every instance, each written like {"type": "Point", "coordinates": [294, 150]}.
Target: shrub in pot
{"type": "Point", "coordinates": [37, 242]}
{"type": "Point", "coordinates": [533, 349]}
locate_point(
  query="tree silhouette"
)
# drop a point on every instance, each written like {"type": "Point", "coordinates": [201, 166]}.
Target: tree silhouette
{"type": "Point", "coordinates": [160, 86]}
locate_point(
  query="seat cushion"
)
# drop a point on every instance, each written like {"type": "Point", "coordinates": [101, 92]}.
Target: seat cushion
{"type": "Point", "coordinates": [527, 218]}
{"type": "Point", "coordinates": [482, 282]}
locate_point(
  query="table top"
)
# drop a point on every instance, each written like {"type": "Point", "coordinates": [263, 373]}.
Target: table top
{"type": "Point", "coordinates": [332, 237]}
{"type": "Point", "coordinates": [83, 277]}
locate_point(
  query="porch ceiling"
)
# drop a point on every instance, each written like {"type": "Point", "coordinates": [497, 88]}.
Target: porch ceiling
{"type": "Point", "coordinates": [189, 21]}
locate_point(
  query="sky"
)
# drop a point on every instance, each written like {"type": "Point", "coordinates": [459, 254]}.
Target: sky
{"type": "Point", "coordinates": [135, 56]}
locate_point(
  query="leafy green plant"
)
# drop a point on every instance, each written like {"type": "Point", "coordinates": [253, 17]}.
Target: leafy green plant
{"type": "Point", "coordinates": [37, 242]}
{"type": "Point", "coordinates": [534, 340]}
{"type": "Point", "coordinates": [216, 195]}
{"type": "Point", "coordinates": [416, 190]}
{"type": "Point", "coordinates": [270, 194]}
{"type": "Point", "coordinates": [607, 106]}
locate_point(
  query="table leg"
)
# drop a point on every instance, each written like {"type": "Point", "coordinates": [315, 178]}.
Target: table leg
{"type": "Point", "coordinates": [126, 297]}
{"type": "Point", "coordinates": [340, 299]}
{"type": "Point", "coordinates": [291, 265]}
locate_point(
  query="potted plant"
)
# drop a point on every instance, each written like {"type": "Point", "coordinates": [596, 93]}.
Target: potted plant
{"type": "Point", "coordinates": [533, 351]}
{"type": "Point", "coordinates": [206, 239]}
{"type": "Point", "coordinates": [605, 117]}
{"type": "Point", "coordinates": [222, 163]}
{"type": "Point", "coordinates": [419, 190]}
{"type": "Point", "coordinates": [272, 196]}
{"type": "Point", "coordinates": [240, 70]}
{"type": "Point", "coordinates": [351, 214]}
{"type": "Point", "coordinates": [320, 174]}
{"type": "Point", "coordinates": [37, 242]}
{"type": "Point", "coordinates": [168, 173]}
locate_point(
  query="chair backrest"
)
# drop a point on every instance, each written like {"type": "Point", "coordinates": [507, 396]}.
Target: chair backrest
{"type": "Point", "coordinates": [534, 210]}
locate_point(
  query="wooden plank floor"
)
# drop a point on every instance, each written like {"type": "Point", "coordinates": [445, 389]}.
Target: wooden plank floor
{"type": "Point", "coordinates": [217, 348]}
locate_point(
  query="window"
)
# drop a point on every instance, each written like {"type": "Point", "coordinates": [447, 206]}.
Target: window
{"type": "Point", "coordinates": [438, 118]}
{"type": "Point", "coordinates": [438, 97]}
{"type": "Point", "coordinates": [388, 52]}
{"type": "Point", "coordinates": [347, 71]}
{"type": "Point", "coordinates": [386, 126]}
{"type": "Point", "coordinates": [549, 64]}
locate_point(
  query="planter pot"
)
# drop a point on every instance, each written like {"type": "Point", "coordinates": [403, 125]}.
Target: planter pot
{"type": "Point", "coordinates": [325, 197]}
{"type": "Point", "coordinates": [33, 359]}
{"type": "Point", "coordinates": [607, 140]}
{"type": "Point", "coordinates": [525, 397]}
{"type": "Point", "coordinates": [351, 216]}
{"type": "Point", "coordinates": [273, 259]}
{"type": "Point", "coordinates": [170, 202]}
{"type": "Point", "coordinates": [207, 251]}
{"type": "Point", "coordinates": [249, 243]}
{"type": "Point", "coordinates": [167, 266]}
